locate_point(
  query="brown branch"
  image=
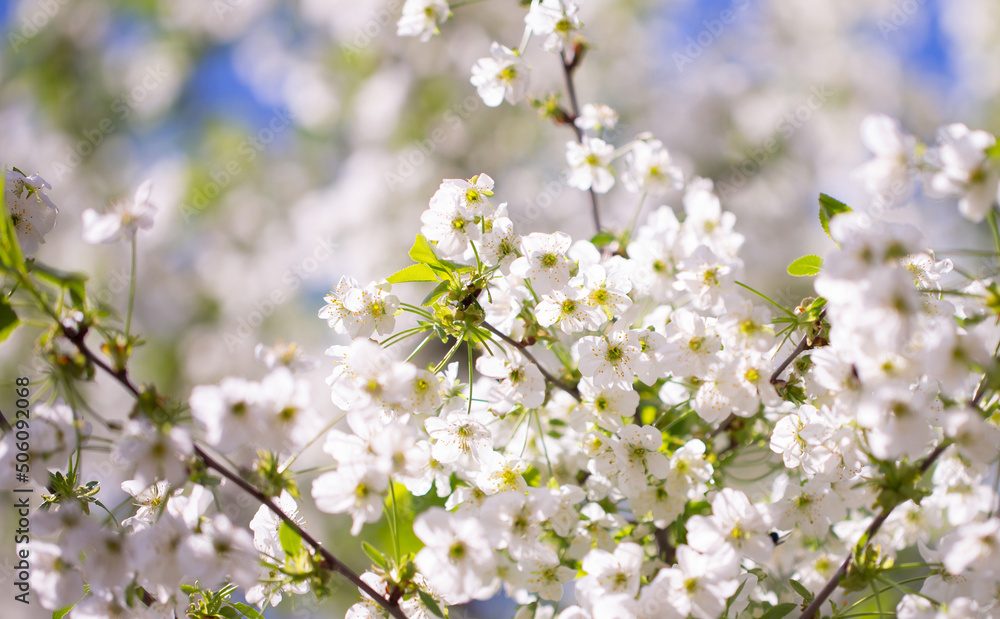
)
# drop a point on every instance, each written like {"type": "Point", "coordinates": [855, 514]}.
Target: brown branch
{"type": "Point", "coordinates": [803, 346]}
{"type": "Point", "coordinates": [873, 528]}
{"type": "Point", "coordinates": [666, 550]}
{"type": "Point", "coordinates": [524, 350]}
{"type": "Point", "coordinates": [330, 561]}
{"type": "Point", "coordinates": [569, 66]}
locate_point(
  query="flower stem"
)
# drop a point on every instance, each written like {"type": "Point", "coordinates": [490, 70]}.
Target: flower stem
{"type": "Point", "coordinates": [131, 290]}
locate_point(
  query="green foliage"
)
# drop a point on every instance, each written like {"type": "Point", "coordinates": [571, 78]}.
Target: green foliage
{"type": "Point", "coordinates": [807, 595]}
{"type": "Point", "coordinates": [208, 604]}
{"type": "Point", "coordinates": [431, 604]}
{"type": "Point", "coordinates": [779, 611]}
{"type": "Point", "coordinates": [377, 557]}
{"type": "Point", "coordinates": [271, 477]}
{"type": "Point", "coordinates": [868, 564]}
{"type": "Point", "coordinates": [413, 273]}
{"type": "Point", "coordinates": [602, 239]}
{"type": "Point", "coordinates": [11, 258]}
{"type": "Point", "coordinates": [806, 266]}
{"type": "Point", "coordinates": [72, 282]}
{"type": "Point", "coordinates": [897, 483]}
{"type": "Point", "coordinates": [828, 209]}
{"type": "Point", "coordinates": [8, 319]}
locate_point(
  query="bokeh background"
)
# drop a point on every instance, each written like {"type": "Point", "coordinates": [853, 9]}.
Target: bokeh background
{"type": "Point", "coordinates": [293, 142]}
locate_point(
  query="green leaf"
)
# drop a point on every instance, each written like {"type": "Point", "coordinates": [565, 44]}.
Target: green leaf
{"type": "Point", "coordinates": [59, 614]}
{"type": "Point", "coordinates": [602, 239]}
{"type": "Point", "coordinates": [291, 541]}
{"type": "Point", "coordinates": [248, 611]}
{"type": "Point", "coordinates": [190, 589]}
{"type": "Point", "coordinates": [779, 611]}
{"type": "Point", "coordinates": [10, 250]}
{"type": "Point", "coordinates": [433, 295]}
{"type": "Point", "coordinates": [993, 152]}
{"type": "Point", "coordinates": [806, 594]}
{"type": "Point", "coordinates": [229, 612]}
{"type": "Point", "coordinates": [8, 319]}
{"type": "Point", "coordinates": [423, 252]}
{"type": "Point", "coordinates": [828, 209]}
{"type": "Point", "coordinates": [806, 266]}
{"type": "Point", "coordinates": [377, 557]}
{"type": "Point", "coordinates": [68, 280]}
{"type": "Point", "coordinates": [431, 604]}
{"type": "Point", "coordinates": [413, 273]}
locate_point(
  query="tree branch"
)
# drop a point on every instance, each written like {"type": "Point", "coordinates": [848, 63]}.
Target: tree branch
{"type": "Point", "coordinates": [803, 346]}
{"type": "Point", "coordinates": [331, 562]}
{"type": "Point", "coordinates": [569, 66]}
{"type": "Point", "coordinates": [524, 350]}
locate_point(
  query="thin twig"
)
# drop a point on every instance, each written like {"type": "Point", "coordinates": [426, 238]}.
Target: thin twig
{"type": "Point", "coordinates": [569, 66]}
{"type": "Point", "coordinates": [524, 350]}
{"type": "Point", "coordinates": [331, 562]}
{"type": "Point", "coordinates": [803, 346]}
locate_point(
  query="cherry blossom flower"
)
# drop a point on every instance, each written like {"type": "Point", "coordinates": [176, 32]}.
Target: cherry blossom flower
{"type": "Point", "coordinates": [590, 165]}
{"type": "Point", "coordinates": [651, 169]}
{"type": "Point", "coordinates": [887, 177]}
{"type": "Point", "coordinates": [521, 382]}
{"type": "Point", "coordinates": [596, 118]}
{"type": "Point", "coordinates": [421, 18]}
{"type": "Point", "coordinates": [124, 220]}
{"type": "Point", "coordinates": [457, 559]}
{"type": "Point", "coordinates": [503, 76]}
{"type": "Point", "coordinates": [609, 359]}
{"type": "Point", "coordinates": [569, 311]}
{"type": "Point", "coordinates": [964, 170]}
{"type": "Point", "coordinates": [32, 212]}
{"type": "Point", "coordinates": [543, 261]}
{"type": "Point", "coordinates": [555, 18]}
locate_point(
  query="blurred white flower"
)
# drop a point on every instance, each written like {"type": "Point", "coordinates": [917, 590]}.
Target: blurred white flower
{"type": "Point", "coordinates": [555, 18]}
{"type": "Point", "coordinates": [887, 177]}
{"type": "Point", "coordinates": [124, 219]}
{"type": "Point", "coordinates": [964, 171]}
{"type": "Point", "coordinates": [651, 169]}
{"type": "Point", "coordinates": [596, 118]}
{"type": "Point", "coordinates": [421, 18]}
